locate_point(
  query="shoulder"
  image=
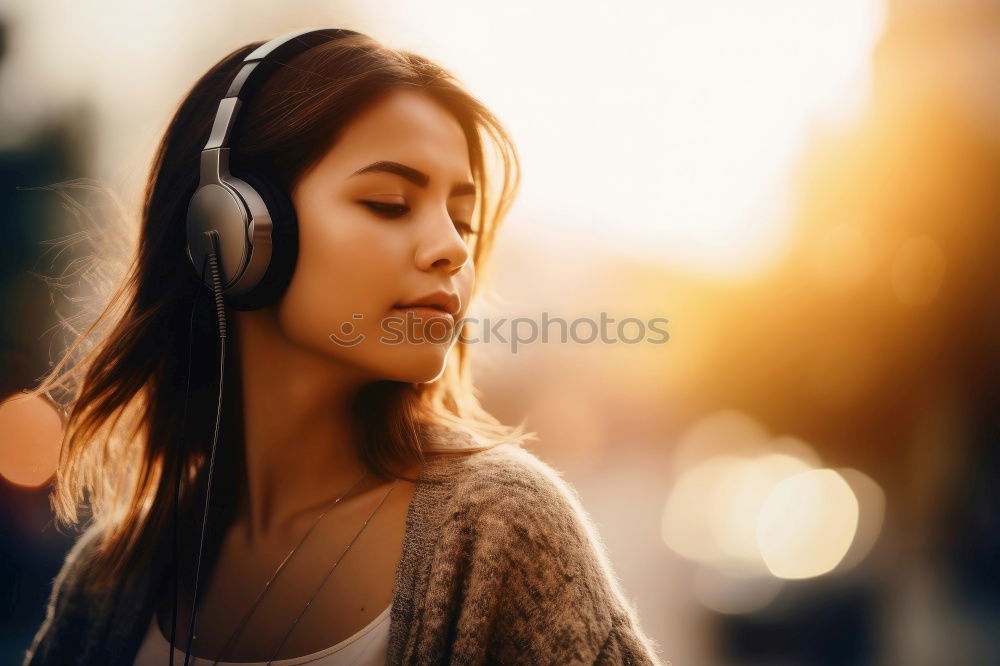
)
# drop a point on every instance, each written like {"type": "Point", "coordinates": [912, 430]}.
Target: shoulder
{"type": "Point", "coordinates": [500, 467]}
{"type": "Point", "coordinates": [508, 506]}
{"type": "Point", "coordinates": [509, 482]}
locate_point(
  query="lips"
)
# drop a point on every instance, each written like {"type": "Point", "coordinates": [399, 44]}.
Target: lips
{"type": "Point", "coordinates": [424, 313]}
{"type": "Point", "coordinates": [439, 300]}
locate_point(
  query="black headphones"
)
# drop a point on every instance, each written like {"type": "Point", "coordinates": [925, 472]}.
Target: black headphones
{"type": "Point", "coordinates": [253, 217]}
{"type": "Point", "coordinates": [242, 239]}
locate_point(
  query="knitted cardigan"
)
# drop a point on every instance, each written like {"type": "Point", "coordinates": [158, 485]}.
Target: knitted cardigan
{"type": "Point", "coordinates": [500, 564]}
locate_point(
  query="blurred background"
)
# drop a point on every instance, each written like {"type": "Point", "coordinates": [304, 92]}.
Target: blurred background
{"type": "Point", "coordinates": [805, 472]}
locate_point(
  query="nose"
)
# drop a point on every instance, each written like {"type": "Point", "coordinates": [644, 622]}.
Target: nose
{"type": "Point", "coordinates": [441, 246]}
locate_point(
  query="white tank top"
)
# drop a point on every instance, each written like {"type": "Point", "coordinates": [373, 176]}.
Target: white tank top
{"type": "Point", "coordinates": [365, 648]}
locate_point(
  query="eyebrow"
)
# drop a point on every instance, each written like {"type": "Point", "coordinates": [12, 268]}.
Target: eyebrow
{"type": "Point", "coordinates": [418, 178]}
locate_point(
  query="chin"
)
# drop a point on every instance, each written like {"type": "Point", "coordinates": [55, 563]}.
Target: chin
{"type": "Point", "coordinates": [418, 366]}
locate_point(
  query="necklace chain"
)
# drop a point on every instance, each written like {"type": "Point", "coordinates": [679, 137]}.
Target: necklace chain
{"type": "Point", "coordinates": [328, 573]}
{"type": "Point", "coordinates": [246, 617]}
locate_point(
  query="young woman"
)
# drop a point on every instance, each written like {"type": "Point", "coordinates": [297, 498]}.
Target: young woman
{"type": "Point", "coordinates": [344, 499]}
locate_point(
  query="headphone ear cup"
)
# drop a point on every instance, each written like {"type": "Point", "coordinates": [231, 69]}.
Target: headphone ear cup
{"type": "Point", "coordinates": [284, 245]}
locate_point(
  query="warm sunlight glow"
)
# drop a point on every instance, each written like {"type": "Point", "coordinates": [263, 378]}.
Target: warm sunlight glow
{"type": "Point", "coordinates": [917, 271]}
{"type": "Point", "coordinates": [674, 133]}
{"type": "Point", "coordinates": [842, 258]}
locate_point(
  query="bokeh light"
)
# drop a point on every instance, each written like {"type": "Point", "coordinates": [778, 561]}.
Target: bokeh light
{"type": "Point", "coordinates": [747, 507]}
{"type": "Point", "coordinates": [806, 524]}
{"type": "Point", "coordinates": [30, 439]}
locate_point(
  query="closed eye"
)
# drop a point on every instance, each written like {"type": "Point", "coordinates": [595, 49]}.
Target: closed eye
{"type": "Point", "coordinates": [387, 209]}
{"type": "Point", "coordinates": [398, 210]}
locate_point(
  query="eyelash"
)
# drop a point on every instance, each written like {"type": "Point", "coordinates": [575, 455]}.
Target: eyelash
{"type": "Point", "coordinates": [398, 210]}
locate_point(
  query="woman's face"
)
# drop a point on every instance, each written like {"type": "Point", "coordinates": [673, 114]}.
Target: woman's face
{"type": "Point", "coordinates": [383, 221]}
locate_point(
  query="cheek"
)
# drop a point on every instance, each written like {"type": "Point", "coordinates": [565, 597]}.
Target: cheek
{"type": "Point", "coordinates": [346, 267]}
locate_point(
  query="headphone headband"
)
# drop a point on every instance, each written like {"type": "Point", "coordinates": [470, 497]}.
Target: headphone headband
{"type": "Point", "coordinates": [257, 66]}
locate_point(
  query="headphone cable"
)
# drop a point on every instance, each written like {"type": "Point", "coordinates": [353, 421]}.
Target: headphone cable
{"type": "Point", "coordinates": [177, 478]}
{"type": "Point", "coordinates": [212, 238]}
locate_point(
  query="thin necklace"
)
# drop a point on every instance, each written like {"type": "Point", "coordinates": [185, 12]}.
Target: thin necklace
{"type": "Point", "coordinates": [267, 585]}
{"type": "Point", "coordinates": [322, 582]}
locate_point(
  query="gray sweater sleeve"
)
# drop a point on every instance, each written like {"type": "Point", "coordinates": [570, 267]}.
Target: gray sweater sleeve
{"type": "Point", "coordinates": [69, 614]}
{"type": "Point", "coordinates": [626, 644]}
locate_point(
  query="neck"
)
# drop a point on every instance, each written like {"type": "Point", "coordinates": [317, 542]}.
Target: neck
{"type": "Point", "coordinates": [299, 440]}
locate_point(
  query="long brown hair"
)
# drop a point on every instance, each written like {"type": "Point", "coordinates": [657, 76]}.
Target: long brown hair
{"type": "Point", "coordinates": [130, 434]}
